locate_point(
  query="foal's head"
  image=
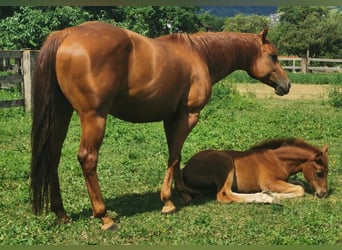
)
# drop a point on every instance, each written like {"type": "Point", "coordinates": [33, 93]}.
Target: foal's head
{"type": "Point", "coordinates": [315, 171]}
{"type": "Point", "coordinates": [267, 68]}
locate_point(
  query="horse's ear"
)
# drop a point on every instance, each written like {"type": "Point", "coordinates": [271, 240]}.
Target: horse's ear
{"type": "Point", "coordinates": [263, 34]}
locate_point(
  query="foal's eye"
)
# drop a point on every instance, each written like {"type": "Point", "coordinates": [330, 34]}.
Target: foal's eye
{"type": "Point", "coordinates": [320, 174]}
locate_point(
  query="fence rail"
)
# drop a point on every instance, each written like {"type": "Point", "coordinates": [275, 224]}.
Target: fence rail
{"type": "Point", "coordinates": [19, 64]}
{"type": "Point", "coordinates": [304, 65]}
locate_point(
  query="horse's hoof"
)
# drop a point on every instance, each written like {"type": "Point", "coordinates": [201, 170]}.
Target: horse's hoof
{"type": "Point", "coordinates": [168, 209]}
{"type": "Point", "coordinates": [63, 220]}
{"type": "Point", "coordinates": [109, 227]}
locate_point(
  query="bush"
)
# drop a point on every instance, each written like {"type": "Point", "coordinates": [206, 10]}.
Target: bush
{"type": "Point", "coordinates": [335, 97]}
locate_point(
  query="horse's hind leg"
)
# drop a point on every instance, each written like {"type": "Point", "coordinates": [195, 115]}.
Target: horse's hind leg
{"type": "Point", "coordinates": [63, 113]}
{"type": "Point", "coordinates": [93, 127]}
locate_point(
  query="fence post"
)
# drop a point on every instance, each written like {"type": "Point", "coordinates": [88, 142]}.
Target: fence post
{"type": "Point", "coordinates": [29, 60]}
{"type": "Point", "coordinates": [304, 65]}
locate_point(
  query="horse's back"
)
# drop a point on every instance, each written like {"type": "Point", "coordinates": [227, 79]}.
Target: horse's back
{"type": "Point", "coordinates": [119, 72]}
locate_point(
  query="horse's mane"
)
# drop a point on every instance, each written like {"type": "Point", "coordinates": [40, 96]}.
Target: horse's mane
{"type": "Point", "coordinates": [212, 45]}
{"type": "Point", "coordinates": [209, 42]}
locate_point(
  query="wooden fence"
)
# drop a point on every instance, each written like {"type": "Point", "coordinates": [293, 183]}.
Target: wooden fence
{"type": "Point", "coordinates": [20, 65]}
{"type": "Point", "coordinates": [305, 65]}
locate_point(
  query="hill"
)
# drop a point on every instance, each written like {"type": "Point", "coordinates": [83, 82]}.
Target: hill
{"type": "Point", "coordinates": [228, 11]}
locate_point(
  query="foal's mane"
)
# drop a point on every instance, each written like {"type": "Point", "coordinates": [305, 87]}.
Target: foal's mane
{"type": "Point", "coordinates": [274, 144]}
{"type": "Point", "coordinates": [277, 143]}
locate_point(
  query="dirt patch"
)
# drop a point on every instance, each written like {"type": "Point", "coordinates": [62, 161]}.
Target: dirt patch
{"type": "Point", "coordinates": [297, 91]}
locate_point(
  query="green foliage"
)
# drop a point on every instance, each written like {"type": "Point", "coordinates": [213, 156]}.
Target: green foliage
{"type": "Point", "coordinates": [211, 22]}
{"type": "Point", "coordinates": [335, 97]}
{"type": "Point", "coordinates": [301, 29]}
{"type": "Point", "coordinates": [244, 23]}
{"type": "Point", "coordinates": [306, 30]}
{"type": "Point", "coordinates": [153, 21]}
{"type": "Point", "coordinates": [29, 26]}
{"type": "Point", "coordinates": [132, 165]}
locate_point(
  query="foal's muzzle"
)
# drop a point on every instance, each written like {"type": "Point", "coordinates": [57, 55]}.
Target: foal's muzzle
{"type": "Point", "coordinates": [321, 194]}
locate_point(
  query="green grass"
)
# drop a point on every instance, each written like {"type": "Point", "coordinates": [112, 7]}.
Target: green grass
{"type": "Point", "coordinates": [131, 169]}
{"type": "Point", "coordinates": [10, 94]}
{"type": "Point", "coordinates": [310, 78]}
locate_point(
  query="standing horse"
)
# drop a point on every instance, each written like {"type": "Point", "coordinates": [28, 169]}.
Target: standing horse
{"type": "Point", "coordinates": [265, 167]}
{"type": "Point", "coordinates": [98, 69]}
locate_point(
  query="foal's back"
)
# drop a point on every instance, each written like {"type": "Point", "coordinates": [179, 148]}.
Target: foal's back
{"type": "Point", "coordinates": [255, 169]}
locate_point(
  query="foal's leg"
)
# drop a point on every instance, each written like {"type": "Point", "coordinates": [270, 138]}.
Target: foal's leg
{"type": "Point", "coordinates": [225, 194]}
{"type": "Point", "coordinates": [176, 130]}
{"type": "Point", "coordinates": [93, 127]}
{"type": "Point", "coordinates": [284, 190]}
{"type": "Point", "coordinates": [63, 115]}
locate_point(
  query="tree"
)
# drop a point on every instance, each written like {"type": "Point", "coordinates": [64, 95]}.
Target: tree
{"type": "Point", "coordinates": [212, 22]}
{"type": "Point", "coordinates": [308, 31]}
{"type": "Point", "coordinates": [29, 26]}
{"type": "Point", "coordinates": [243, 23]}
{"type": "Point", "coordinates": [153, 21]}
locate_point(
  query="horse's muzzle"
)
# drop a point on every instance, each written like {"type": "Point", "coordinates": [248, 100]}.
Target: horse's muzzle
{"type": "Point", "coordinates": [283, 89]}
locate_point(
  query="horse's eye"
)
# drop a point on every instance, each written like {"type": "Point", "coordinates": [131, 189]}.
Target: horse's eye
{"type": "Point", "coordinates": [274, 57]}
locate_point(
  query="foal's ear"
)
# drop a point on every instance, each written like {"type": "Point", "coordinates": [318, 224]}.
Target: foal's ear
{"type": "Point", "coordinates": [263, 34]}
{"type": "Point", "coordinates": [319, 155]}
{"type": "Point", "coordinates": [325, 148]}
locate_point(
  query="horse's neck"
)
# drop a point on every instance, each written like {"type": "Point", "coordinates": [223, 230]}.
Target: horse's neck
{"type": "Point", "coordinates": [226, 52]}
{"type": "Point", "coordinates": [293, 157]}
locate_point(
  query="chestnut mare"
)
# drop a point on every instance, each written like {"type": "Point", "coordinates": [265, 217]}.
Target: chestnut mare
{"type": "Point", "coordinates": [98, 69]}
{"type": "Point", "coordinates": [236, 176]}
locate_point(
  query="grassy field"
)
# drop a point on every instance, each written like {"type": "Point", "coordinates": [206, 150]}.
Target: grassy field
{"type": "Point", "coordinates": [132, 165]}
{"type": "Point", "coordinates": [310, 78]}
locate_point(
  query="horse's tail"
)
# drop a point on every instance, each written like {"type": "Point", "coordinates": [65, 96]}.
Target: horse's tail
{"type": "Point", "coordinates": [45, 94]}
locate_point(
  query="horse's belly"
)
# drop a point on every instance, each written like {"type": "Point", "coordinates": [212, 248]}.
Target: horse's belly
{"type": "Point", "coordinates": [142, 112]}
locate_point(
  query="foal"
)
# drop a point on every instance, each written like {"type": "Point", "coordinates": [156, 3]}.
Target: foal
{"type": "Point", "coordinates": [259, 174]}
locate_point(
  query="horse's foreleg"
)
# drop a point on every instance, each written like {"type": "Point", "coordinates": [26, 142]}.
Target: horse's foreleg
{"type": "Point", "coordinates": [176, 131]}
{"type": "Point", "coordinates": [93, 127]}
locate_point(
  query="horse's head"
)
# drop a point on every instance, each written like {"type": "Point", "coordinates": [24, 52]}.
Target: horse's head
{"type": "Point", "coordinates": [315, 171]}
{"type": "Point", "coordinates": [267, 68]}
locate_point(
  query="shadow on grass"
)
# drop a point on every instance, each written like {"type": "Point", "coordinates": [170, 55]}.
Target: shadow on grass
{"type": "Point", "coordinates": [137, 203]}
{"type": "Point", "coordinates": [132, 204]}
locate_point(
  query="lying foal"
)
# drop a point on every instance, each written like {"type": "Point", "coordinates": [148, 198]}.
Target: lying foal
{"type": "Point", "coordinates": [259, 174]}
